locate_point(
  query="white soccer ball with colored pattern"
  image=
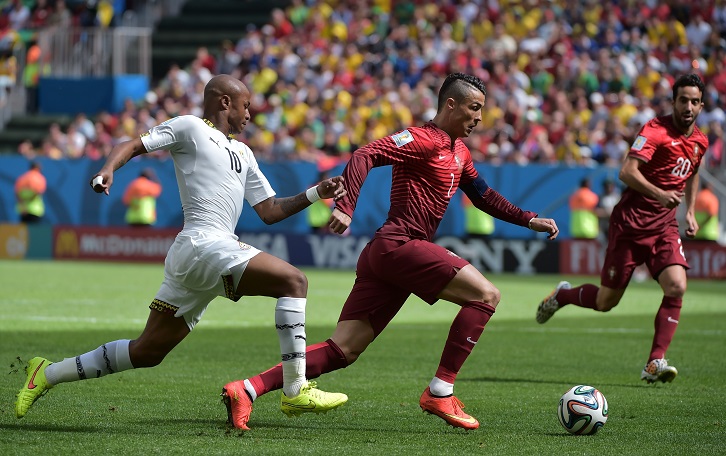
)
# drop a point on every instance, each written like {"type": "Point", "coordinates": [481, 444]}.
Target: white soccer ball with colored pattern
{"type": "Point", "coordinates": [582, 410]}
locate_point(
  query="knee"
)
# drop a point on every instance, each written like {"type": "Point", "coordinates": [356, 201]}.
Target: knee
{"type": "Point", "coordinates": [350, 352]}
{"type": "Point", "coordinates": [351, 357]}
{"type": "Point", "coordinates": [674, 288]}
{"type": "Point", "coordinates": [605, 305]}
{"type": "Point", "coordinates": [296, 284]}
{"type": "Point", "coordinates": [491, 295]}
{"type": "Point", "coordinates": [142, 356]}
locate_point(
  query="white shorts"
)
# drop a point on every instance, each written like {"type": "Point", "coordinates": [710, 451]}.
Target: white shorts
{"type": "Point", "coordinates": [199, 267]}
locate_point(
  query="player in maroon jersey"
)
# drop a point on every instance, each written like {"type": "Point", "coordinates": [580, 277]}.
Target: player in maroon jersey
{"type": "Point", "coordinates": [429, 163]}
{"type": "Point", "coordinates": [660, 170]}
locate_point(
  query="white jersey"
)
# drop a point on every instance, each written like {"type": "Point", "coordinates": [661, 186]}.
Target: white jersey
{"type": "Point", "coordinates": [214, 173]}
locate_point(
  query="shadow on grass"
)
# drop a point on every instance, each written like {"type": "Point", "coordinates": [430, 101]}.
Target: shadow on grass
{"type": "Point", "coordinates": [24, 427]}
{"type": "Point", "coordinates": [544, 382]}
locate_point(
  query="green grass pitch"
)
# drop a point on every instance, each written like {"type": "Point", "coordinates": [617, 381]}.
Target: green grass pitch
{"type": "Point", "coordinates": [512, 382]}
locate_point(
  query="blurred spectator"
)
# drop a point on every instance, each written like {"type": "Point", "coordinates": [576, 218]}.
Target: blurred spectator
{"type": "Point", "coordinates": [206, 60]}
{"type": "Point", "coordinates": [50, 150]}
{"type": "Point", "coordinates": [307, 150]}
{"type": "Point", "coordinates": [140, 197]}
{"type": "Point", "coordinates": [318, 215]}
{"type": "Point", "coordinates": [58, 139]}
{"type": "Point", "coordinates": [40, 14]}
{"type": "Point", "coordinates": [27, 150]}
{"type": "Point", "coordinates": [18, 15]}
{"type": "Point", "coordinates": [88, 14]}
{"type": "Point", "coordinates": [716, 144]}
{"type": "Point", "coordinates": [8, 72]}
{"type": "Point", "coordinates": [606, 202]}
{"type": "Point", "coordinates": [29, 190]}
{"type": "Point", "coordinates": [478, 223]}
{"type": "Point", "coordinates": [106, 13]}
{"type": "Point", "coordinates": [84, 125]}
{"type": "Point", "coordinates": [228, 58]}
{"type": "Point", "coordinates": [583, 217]}
{"type": "Point", "coordinates": [108, 121]}
{"type": "Point", "coordinates": [698, 31]}
{"type": "Point", "coordinates": [35, 67]}
{"type": "Point", "coordinates": [8, 36]}
{"type": "Point", "coordinates": [706, 211]}
{"type": "Point", "coordinates": [100, 146]}
{"type": "Point", "coordinates": [61, 16]}
{"type": "Point", "coordinates": [282, 26]}
{"type": "Point", "coordinates": [614, 149]}
{"type": "Point", "coordinates": [76, 142]}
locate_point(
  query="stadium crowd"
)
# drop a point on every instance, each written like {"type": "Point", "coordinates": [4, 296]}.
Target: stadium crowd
{"type": "Point", "coordinates": [568, 81]}
{"type": "Point", "coordinates": [20, 20]}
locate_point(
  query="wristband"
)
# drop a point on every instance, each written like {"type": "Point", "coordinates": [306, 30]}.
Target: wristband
{"type": "Point", "coordinates": [529, 224]}
{"type": "Point", "coordinates": [312, 194]}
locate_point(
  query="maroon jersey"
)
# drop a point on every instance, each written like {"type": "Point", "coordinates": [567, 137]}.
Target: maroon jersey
{"type": "Point", "coordinates": [427, 170]}
{"type": "Point", "coordinates": [670, 159]}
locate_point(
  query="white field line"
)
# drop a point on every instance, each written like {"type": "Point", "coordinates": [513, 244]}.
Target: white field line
{"type": "Point", "coordinates": [698, 332]}
{"type": "Point", "coordinates": [242, 323]}
{"type": "Point", "coordinates": [111, 321]}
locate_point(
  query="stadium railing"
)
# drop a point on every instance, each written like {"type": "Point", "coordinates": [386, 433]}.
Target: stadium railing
{"type": "Point", "coordinates": [96, 52]}
{"type": "Point", "coordinates": [15, 102]}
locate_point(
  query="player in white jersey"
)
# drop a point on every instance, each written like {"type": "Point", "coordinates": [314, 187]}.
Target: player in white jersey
{"type": "Point", "coordinates": [215, 174]}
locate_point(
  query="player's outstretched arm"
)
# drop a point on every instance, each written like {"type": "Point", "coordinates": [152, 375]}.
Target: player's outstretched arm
{"type": "Point", "coordinates": [120, 154]}
{"type": "Point", "coordinates": [273, 210]}
{"type": "Point", "coordinates": [490, 201]}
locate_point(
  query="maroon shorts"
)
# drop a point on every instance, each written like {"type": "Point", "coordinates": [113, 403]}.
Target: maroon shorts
{"type": "Point", "coordinates": [389, 271]}
{"type": "Point", "coordinates": [626, 250]}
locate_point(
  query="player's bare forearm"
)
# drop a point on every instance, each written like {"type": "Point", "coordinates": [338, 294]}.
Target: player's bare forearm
{"type": "Point", "coordinates": [691, 188]}
{"type": "Point", "coordinates": [692, 184]}
{"type": "Point", "coordinates": [291, 205]}
{"type": "Point", "coordinates": [631, 176]}
{"type": "Point", "coordinates": [273, 210]}
{"type": "Point", "coordinates": [118, 157]}
{"type": "Point", "coordinates": [122, 153]}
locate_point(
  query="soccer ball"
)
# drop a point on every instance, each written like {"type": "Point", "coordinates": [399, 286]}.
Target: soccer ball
{"type": "Point", "coordinates": [582, 410]}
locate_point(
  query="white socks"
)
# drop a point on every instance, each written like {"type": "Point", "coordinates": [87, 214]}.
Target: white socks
{"type": "Point", "coordinates": [250, 389]}
{"type": "Point", "coordinates": [290, 324]}
{"type": "Point", "coordinates": [441, 388]}
{"type": "Point", "coordinates": [109, 358]}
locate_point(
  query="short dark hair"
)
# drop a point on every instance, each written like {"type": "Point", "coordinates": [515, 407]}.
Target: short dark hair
{"type": "Point", "coordinates": [457, 86]}
{"type": "Point", "coordinates": [688, 80]}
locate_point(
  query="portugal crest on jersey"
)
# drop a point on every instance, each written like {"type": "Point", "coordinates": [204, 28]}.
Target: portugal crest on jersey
{"type": "Point", "coordinates": [696, 150]}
